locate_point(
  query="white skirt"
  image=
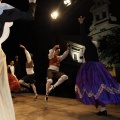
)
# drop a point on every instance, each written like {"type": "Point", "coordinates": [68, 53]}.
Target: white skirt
{"type": "Point", "coordinates": [6, 103]}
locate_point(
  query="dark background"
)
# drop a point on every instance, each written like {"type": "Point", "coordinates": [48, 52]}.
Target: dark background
{"type": "Point", "coordinates": [43, 33]}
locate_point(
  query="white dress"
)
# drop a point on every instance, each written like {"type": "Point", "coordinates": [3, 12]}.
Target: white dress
{"type": "Point", "coordinates": [6, 103]}
{"type": "Point", "coordinates": [7, 15]}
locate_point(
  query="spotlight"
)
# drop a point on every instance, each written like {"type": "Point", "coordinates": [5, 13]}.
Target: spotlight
{"type": "Point", "coordinates": [67, 2]}
{"type": "Point", "coordinates": [54, 15]}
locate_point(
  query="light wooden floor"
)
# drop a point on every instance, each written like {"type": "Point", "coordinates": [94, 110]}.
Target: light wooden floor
{"type": "Point", "coordinates": [58, 109]}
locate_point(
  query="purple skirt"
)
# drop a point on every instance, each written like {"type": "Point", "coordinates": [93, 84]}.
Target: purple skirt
{"type": "Point", "coordinates": [95, 85]}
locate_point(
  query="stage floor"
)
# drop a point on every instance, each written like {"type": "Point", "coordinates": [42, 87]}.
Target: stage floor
{"type": "Point", "coordinates": [26, 108]}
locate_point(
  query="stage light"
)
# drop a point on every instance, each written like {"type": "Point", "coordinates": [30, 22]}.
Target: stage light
{"type": "Point", "coordinates": [54, 15]}
{"type": "Point", "coordinates": [67, 2]}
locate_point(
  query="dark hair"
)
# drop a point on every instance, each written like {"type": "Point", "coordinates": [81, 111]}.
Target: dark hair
{"type": "Point", "coordinates": [57, 48]}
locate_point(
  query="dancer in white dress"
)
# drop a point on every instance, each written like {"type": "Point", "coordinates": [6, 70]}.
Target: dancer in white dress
{"type": "Point", "coordinates": [7, 15]}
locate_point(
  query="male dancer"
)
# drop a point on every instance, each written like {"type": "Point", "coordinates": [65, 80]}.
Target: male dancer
{"type": "Point", "coordinates": [30, 77]}
{"type": "Point", "coordinates": [7, 15]}
{"type": "Point", "coordinates": [53, 70]}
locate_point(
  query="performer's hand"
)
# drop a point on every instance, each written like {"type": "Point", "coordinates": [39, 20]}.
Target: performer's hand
{"type": "Point", "coordinates": [68, 45]}
{"type": "Point", "coordinates": [16, 58]}
{"type": "Point", "coordinates": [81, 19]}
{"type": "Point", "coordinates": [22, 46]}
{"type": "Point", "coordinates": [32, 1]}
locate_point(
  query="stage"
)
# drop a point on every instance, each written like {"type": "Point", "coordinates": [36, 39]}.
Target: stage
{"type": "Point", "coordinates": [57, 108]}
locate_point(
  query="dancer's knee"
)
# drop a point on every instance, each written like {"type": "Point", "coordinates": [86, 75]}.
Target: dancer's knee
{"type": "Point", "coordinates": [21, 81]}
{"type": "Point", "coordinates": [50, 80]}
{"type": "Point", "coordinates": [64, 77]}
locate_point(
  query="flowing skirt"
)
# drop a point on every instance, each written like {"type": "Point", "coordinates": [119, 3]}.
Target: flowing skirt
{"type": "Point", "coordinates": [13, 83]}
{"type": "Point", "coordinates": [96, 86]}
{"type": "Point", "coordinates": [6, 104]}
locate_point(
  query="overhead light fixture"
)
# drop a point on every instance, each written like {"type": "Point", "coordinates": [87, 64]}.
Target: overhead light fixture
{"type": "Point", "coordinates": [54, 15]}
{"type": "Point", "coordinates": [67, 2]}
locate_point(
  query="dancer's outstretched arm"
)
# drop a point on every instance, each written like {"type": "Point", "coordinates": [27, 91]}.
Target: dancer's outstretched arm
{"type": "Point", "coordinates": [28, 56]}
{"type": "Point", "coordinates": [65, 54]}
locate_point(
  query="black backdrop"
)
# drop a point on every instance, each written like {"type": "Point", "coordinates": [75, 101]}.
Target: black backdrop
{"type": "Point", "coordinates": [41, 35]}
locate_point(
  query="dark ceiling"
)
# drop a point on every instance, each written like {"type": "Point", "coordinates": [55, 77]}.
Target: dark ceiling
{"type": "Point", "coordinates": [67, 24]}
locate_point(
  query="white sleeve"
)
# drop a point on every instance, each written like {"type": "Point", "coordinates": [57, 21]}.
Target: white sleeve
{"type": "Point", "coordinates": [64, 55]}
{"type": "Point", "coordinates": [6, 31]}
{"type": "Point", "coordinates": [28, 56]}
{"type": "Point", "coordinates": [5, 6]}
{"type": "Point", "coordinates": [51, 54]}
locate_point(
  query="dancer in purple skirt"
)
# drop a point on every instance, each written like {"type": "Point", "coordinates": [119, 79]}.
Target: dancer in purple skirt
{"type": "Point", "coordinates": [94, 84]}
